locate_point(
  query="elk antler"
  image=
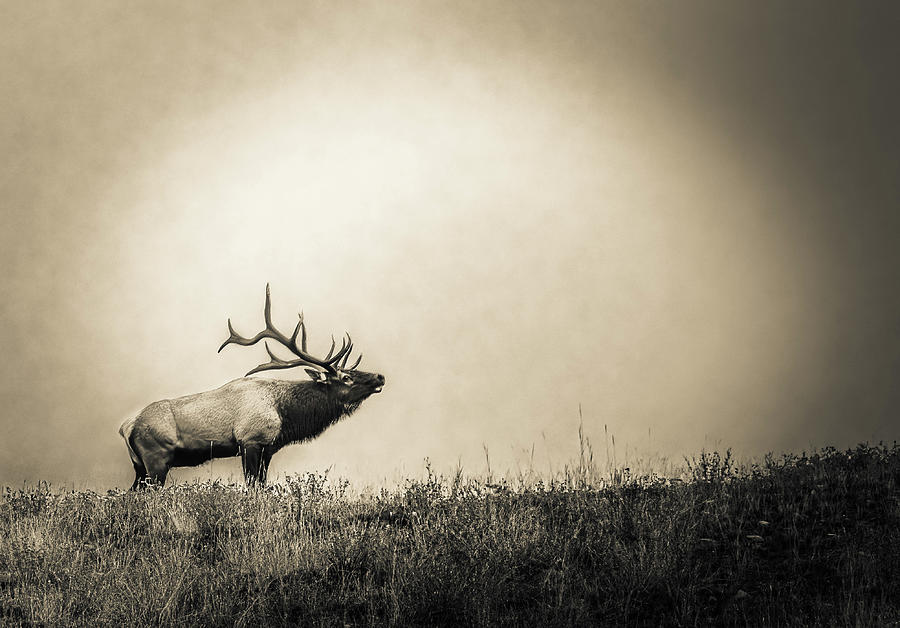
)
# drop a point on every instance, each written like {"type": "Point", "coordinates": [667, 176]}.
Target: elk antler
{"type": "Point", "coordinates": [329, 364]}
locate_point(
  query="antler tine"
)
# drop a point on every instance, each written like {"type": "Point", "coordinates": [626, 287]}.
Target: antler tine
{"type": "Point", "coordinates": [267, 311]}
{"type": "Point", "coordinates": [347, 355]}
{"type": "Point", "coordinates": [330, 358]}
{"type": "Point", "coordinates": [355, 364]}
{"type": "Point", "coordinates": [345, 347]}
{"type": "Point", "coordinates": [233, 337]}
{"type": "Point", "coordinates": [344, 361]}
{"type": "Point", "coordinates": [303, 334]}
{"type": "Point", "coordinates": [330, 351]}
{"type": "Point", "coordinates": [297, 331]}
{"type": "Point", "coordinates": [345, 350]}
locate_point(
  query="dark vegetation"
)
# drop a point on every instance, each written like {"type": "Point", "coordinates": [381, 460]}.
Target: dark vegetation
{"type": "Point", "coordinates": [800, 540]}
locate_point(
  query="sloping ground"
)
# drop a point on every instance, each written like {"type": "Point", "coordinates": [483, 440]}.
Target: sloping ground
{"type": "Point", "coordinates": [810, 540]}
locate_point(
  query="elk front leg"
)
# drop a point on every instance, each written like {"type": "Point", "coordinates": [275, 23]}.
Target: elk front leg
{"type": "Point", "coordinates": [255, 460]}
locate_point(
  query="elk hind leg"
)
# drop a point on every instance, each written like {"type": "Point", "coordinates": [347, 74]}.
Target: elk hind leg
{"type": "Point", "coordinates": [157, 462]}
{"type": "Point", "coordinates": [140, 475]}
{"type": "Point", "coordinates": [157, 472]}
{"type": "Point", "coordinates": [156, 454]}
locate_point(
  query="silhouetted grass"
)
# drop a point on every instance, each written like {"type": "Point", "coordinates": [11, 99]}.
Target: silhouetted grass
{"type": "Point", "coordinates": [800, 540]}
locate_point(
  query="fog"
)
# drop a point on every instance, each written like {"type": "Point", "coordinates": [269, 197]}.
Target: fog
{"type": "Point", "coordinates": [680, 217]}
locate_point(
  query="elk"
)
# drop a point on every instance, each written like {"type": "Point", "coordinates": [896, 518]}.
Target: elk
{"type": "Point", "coordinates": [248, 416]}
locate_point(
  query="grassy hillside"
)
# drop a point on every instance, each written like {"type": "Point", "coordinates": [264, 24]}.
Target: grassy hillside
{"type": "Point", "coordinates": [807, 540]}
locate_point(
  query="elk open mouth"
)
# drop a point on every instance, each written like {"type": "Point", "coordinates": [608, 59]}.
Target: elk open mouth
{"type": "Point", "coordinates": [378, 389]}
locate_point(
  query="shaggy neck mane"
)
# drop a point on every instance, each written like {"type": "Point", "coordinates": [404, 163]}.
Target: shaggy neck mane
{"type": "Point", "coordinates": [306, 410]}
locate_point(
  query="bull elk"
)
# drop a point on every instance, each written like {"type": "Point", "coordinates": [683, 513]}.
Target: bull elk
{"type": "Point", "coordinates": [253, 417]}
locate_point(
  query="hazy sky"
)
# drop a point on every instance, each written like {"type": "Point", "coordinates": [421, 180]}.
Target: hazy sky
{"type": "Point", "coordinates": [682, 216]}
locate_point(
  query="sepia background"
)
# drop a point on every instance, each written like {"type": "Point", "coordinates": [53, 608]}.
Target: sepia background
{"type": "Point", "coordinates": [681, 216]}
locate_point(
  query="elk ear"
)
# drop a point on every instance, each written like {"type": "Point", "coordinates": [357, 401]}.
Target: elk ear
{"type": "Point", "coordinates": [317, 376]}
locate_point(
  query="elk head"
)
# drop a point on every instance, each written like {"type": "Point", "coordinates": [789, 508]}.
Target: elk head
{"type": "Point", "coordinates": [348, 384]}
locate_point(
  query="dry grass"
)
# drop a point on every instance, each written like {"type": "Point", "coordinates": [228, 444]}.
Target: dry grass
{"type": "Point", "coordinates": [808, 540]}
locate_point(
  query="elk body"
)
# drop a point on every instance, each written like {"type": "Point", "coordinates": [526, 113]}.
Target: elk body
{"type": "Point", "coordinates": [248, 416]}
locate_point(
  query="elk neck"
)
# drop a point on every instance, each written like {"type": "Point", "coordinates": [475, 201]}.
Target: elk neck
{"type": "Point", "coordinates": [306, 410]}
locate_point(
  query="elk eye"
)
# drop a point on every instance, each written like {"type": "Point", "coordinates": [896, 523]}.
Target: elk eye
{"type": "Point", "coordinates": [347, 379]}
